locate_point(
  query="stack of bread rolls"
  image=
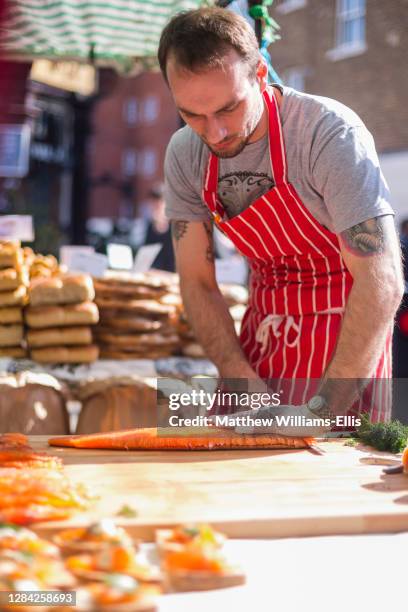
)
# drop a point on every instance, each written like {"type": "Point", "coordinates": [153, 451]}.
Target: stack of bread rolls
{"type": "Point", "coordinates": [142, 316]}
{"type": "Point", "coordinates": [42, 265]}
{"type": "Point", "coordinates": [138, 315]}
{"type": "Point", "coordinates": [59, 319]}
{"type": "Point", "coordinates": [13, 296]}
{"type": "Point", "coordinates": [236, 297]}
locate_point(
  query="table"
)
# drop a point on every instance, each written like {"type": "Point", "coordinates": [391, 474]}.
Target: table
{"type": "Point", "coordinates": [286, 574]}
{"type": "Point", "coordinates": [251, 494]}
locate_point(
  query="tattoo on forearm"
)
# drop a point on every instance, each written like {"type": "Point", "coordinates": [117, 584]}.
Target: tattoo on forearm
{"type": "Point", "coordinates": [210, 248]}
{"type": "Point", "coordinates": [178, 229]}
{"type": "Point", "coordinates": [365, 238]}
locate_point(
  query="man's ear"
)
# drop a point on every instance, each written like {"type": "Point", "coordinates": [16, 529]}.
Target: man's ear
{"type": "Point", "coordinates": [262, 74]}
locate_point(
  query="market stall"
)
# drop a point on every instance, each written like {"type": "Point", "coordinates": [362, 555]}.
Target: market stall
{"type": "Point", "coordinates": [144, 527]}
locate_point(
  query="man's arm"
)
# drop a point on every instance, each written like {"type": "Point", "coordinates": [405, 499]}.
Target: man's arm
{"type": "Point", "coordinates": [206, 309]}
{"type": "Point", "coordinates": [372, 254]}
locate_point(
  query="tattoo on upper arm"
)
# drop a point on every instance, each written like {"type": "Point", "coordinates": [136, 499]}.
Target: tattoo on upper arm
{"type": "Point", "coordinates": [210, 249]}
{"type": "Point", "coordinates": [178, 229]}
{"type": "Point", "coordinates": [365, 238]}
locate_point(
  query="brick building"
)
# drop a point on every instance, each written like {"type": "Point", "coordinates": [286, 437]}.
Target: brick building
{"type": "Point", "coordinates": [354, 51]}
{"type": "Point", "coordinates": [131, 128]}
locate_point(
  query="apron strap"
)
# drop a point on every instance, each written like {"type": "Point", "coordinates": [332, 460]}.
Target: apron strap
{"type": "Point", "coordinates": [209, 192]}
{"type": "Point", "coordinates": [277, 151]}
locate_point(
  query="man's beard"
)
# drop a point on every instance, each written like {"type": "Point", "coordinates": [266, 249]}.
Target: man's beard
{"type": "Point", "coordinates": [224, 154]}
{"type": "Point", "coordinates": [241, 144]}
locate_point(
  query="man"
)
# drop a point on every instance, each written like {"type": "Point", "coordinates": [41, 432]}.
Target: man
{"type": "Point", "coordinates": [293, 180]}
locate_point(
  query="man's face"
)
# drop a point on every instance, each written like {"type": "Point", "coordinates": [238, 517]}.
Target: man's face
{"type": "Point", "coordinates": [222, 105]}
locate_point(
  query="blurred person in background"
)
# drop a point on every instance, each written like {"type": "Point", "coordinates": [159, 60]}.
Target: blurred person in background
{"type": "Point", "coordinates": [404, 248]}
{"type": "Point", "coordinates": [404, 232]}
{"type": "Point", "coordinates": [158, 230]}
{"type": "Point", "coordinates": [401, 328]}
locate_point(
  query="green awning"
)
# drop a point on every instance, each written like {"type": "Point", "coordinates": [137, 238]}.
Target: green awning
{"type": "Point", "coordinates": [112, 31]}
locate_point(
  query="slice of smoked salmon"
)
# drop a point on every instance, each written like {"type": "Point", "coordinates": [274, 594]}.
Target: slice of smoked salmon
{"type": "Point", "coordinates": [149, 439]}
{"type": "Point", "coordinates": [13, 439]}
{"type": "Point", "coordinates": [16, 452]}
{"type": "Point", "coordinates": [33, 513]}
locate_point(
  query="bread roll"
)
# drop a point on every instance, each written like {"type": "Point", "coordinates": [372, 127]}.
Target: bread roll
{"type": "Point", "coordinates": [63, 354]}
{"type": "Point", "coordinates": [40, 317]}
{"type": "Point", "coordinates": [129, 323]}
{"type": "Point", "coordinates": [11, 335]}
{"type": "Point", "coordinates": [154, 279]}
{"type": "Point", "coordinates": [44, 265]}
{"type": "Point", "coordinates": [12, 314]}
{"type": "Point", "coordinates": [47, 261]}
{"type": "Point", "coordinates": [78, 289]}
{"type": "Point", "coordinates": [28, 256]}
{"type": "Point", "coordinates": [12, 278]}
{"type": "Point", "coordinates": [69, 289]}
{"type": "Point", "coordinates": [133, 341]}
{"type": "Point", "coordinates": [11, 255]}
{"type": "Point", "coordinates": [143, 307]}
{"type": "Point", "coordinates": [112, 352]}
{"type": "Point", "coordinates": [40, 271]}
{"type": "Point", "coordinates": [13, 298]}
{"type": "Point", "coordinates": [45, 291]}
{"type": "Point", "coordinates": [55, 336]}
{"type": "Point", "coordinates": [131, 291]}
{"type": "Point", "coordinates": [14, 352]}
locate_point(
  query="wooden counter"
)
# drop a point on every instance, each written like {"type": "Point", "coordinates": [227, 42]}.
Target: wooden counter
{"type": "Point", "coordinates": [246, 494]}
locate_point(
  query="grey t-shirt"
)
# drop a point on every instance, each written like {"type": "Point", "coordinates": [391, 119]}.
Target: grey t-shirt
{"type": "Point", "coordinates": [331, 158]}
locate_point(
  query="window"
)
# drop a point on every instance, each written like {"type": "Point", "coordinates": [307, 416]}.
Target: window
{"type": "Point", "coordinates": [350, 29]}
{"type": "Point", "coordinates": [130, 111]}
{"type": "Point", "coordinates": [295, 78]}
{"type": "Point", "coordinates": [129, 162]}
{"type": "Point", "coordinates": [350, 22]}
{"type": "Point", "coordinates": [148, 162]}
{"type": "Point", "coordinates": [150, 109]}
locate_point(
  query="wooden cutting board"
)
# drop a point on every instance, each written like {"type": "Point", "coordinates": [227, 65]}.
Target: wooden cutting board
{"type": "Point", "coordinates": [246, 494]}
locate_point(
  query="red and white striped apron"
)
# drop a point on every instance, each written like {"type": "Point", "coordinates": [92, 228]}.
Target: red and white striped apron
{"type": "Point", "coordinates": [299, 284]}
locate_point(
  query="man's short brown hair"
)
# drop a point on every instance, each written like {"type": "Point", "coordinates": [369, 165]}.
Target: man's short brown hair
{"type": "Point", "coordinates": [200, 39]}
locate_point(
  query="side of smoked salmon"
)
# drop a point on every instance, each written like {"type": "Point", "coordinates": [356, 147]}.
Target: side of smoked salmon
{"type": "Point", "coordinates": [149, 439]}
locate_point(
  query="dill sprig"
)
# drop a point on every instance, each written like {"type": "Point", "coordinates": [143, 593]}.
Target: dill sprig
{"type": "Point", "coordinates": [391, 436]}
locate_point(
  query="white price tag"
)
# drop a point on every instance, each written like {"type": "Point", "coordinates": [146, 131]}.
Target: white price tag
{"type": "Point", "coordinates": [16, 227]}
{"type": "Point", "coordinates": [145, 257]}
{"type": "Point", "coordinates": [68, 251]}
{"type": "Point", "coordinates": [120, 256]}
{"type": "Point", "coordinates": [94, 264]}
